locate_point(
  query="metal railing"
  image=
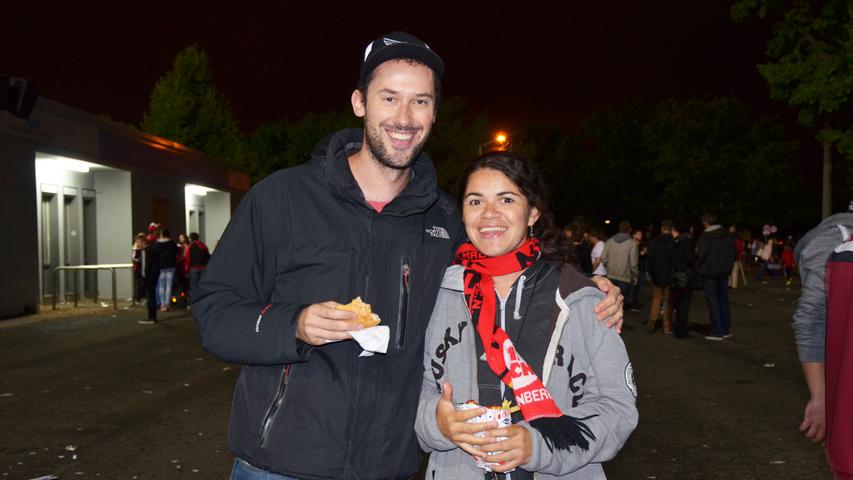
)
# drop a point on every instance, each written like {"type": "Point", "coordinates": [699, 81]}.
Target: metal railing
{"type": "Point", "coordinates": [111, 267]}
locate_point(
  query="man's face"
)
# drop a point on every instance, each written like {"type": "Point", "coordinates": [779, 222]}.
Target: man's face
{"type": "Point", "coordinates": [398, 110]}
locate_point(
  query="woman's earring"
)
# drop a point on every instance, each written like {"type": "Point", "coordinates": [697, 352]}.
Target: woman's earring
{"type": "Point", "coordinates": [530, 231]}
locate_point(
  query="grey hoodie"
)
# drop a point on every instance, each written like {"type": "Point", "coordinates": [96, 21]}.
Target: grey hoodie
{"type": "Point", "coordinates": [621, 258]}
{"type": "Point", "coordinates": [812, 253]}
{"type": "Point", "coordinates": [585, 365]}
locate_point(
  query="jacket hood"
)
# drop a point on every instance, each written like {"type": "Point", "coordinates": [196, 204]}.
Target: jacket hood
{"type": "Point", "coordinates": [329, 162]}
{"type": "Point", "coordinates": [827, 228]}
{"type": "Point", "coordinates": [715, 233]}
{"type": "Point", "coordinates": [621, 237]}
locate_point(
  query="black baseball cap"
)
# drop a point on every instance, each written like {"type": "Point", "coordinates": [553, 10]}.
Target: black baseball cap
{"type": "Point", "coordinates": [398, 45]}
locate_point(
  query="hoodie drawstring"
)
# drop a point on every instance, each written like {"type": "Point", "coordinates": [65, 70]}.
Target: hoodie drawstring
{"type": "Point", "coordinates": [517, 313]}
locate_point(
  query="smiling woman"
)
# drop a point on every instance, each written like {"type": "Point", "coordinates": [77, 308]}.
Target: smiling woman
{"type": "Point", "coordinates": [565, 377]}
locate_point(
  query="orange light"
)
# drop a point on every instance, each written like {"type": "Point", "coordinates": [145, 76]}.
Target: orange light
{"type": "Point", "coordinates": [500, 137]}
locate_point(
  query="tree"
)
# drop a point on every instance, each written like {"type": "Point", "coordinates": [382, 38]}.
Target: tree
{"type": "Point", "coordinates": [453, 142]}
{"type": "Point", "coordinates": [281, 144]}
{"type": "Point", "coordinates": [186, 107]}
{"type": "Point", "coordinates": [812, 69]}
{"type": "Point", "coordinates": [709, 154]}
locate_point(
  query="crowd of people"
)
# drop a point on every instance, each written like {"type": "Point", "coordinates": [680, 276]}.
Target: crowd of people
{"type": "Point", "coordinates": [163, 267]}
{"type": "Point", "coordinates": [671, 261]}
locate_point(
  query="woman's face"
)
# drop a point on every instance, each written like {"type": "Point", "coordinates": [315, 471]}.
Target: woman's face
{"type": "Point", "coordinates": [495, 213]}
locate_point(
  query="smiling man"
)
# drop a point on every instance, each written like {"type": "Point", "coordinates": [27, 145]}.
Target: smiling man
{"type": "Point", "coordinates": [363, 217]}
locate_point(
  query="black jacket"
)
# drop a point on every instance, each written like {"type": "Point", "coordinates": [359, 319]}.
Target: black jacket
{"type": "Point", "coordinates": [306, 235]}
{"type": "Point", "coordinates": [715, 253]}
{"type": "Point", "coordinates": [167, 251]}
{"type": "Point", "coordinates": [659, 263]}
{"type": "Point", "coordinates": [684, 258]}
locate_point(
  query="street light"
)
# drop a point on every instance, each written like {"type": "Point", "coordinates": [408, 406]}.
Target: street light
{"type": "Point", "coordinates": [501, 140]}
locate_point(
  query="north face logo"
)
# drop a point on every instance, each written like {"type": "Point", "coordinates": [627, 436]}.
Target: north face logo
{"type": "Point", "coordinates": [438, 232]}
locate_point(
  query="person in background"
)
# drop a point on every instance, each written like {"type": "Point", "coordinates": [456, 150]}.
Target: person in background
{"type": "Point", "coordinates": [765, 258]}
{"type": "Point", "coordinates": [196, 261]}
{"type": "Point", "coordinates": [661, 251]}
{"type": "Point", "coordinates": [715, 254]}
{"type": "Point", "coordinates": [634, 303]}
{"type": "Point", "coordinates": [621, 258]}
{"type": "Point", "coordinates": [596, 239]}
{"type": "Point", "coordinates": [684, 278]}
{"type": "Point", "coordinates": [150, 268]}
{"type": "Point", "coordinates": [139, 244]}
{"type": "Point", "coordinates": [737, 269]}
{"type": "Point", "coordinates": [167, 251]}
{"type": "Point", "coordinates": [788, 262]}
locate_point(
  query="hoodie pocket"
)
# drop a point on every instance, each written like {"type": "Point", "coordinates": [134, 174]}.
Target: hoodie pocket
{"type": "Point", "coordinates": [403, 306]}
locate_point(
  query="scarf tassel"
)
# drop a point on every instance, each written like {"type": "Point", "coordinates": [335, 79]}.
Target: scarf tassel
{"type": "Point", "coordinates": [564, 432]}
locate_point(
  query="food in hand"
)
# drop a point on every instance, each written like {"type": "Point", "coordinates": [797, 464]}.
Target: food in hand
{"type": "Point", "coordinates": [364, 314]}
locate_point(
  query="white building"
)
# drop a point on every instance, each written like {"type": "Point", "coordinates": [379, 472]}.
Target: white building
{"type": "Point", "coordinates": [75, 188]}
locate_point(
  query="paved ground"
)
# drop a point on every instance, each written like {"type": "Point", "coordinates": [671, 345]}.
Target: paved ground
{"type": "Point", "coordinates": [95, 395]}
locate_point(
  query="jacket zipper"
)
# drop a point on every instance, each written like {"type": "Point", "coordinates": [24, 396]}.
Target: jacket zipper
{"type": "Point", "coordinates": [405, 274]}
{"type": "Point", "coordinates": [274, 406]}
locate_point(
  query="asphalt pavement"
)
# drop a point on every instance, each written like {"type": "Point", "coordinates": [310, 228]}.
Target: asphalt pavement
{"type": "Point", "coordinates": [93, 394]}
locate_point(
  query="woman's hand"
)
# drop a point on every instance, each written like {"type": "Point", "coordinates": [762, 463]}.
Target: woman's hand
{"type": "Point", "coordinates": [609, 309]}
{"type": "Point", "coordinates": [515, 449]}
{"type": "Point", "coordinates": [452, 423]}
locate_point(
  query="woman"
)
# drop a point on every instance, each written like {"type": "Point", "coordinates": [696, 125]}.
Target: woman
{"type": "Point", "coordinates": [574, 397]}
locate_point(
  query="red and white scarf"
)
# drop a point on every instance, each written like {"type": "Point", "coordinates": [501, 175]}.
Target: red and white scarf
{"type": "Point", "coordinates": [537, 406]}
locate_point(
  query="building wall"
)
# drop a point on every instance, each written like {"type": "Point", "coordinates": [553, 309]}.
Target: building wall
{"type": "Point", "coordinates": [20, 292]}
{"type": "Point", "coordinates": [114, 230]}
{"type": "Point", "coordinates": [158, 198]}
{"type": "Point", "coordinates": [140, 178]}
{"type": "Point", "coordinates": [218, 213]}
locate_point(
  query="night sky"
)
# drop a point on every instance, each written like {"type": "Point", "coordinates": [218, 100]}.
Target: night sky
{"type": "Point", "coordinates": [554, 64]}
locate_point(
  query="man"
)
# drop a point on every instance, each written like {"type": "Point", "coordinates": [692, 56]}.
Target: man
{"type": "Point", "coordinates": [813, 329]}
{"type": "Point", "coordinates": [196, 260]}
{"type": "Point", "coordinates": [596, 239]}
{"type": "Point", "coordinates": [149, 265]}
{"type": "Point", "coordinates": [684, 277]}
{"type": "Point", "coordinates": [362, 218]}
{"type": "Point", "coordinates": [621, 258]}
{"type": "Point", "coordinates": [660, 269]}
{"type": "Point", "coordinates": [737, 270]}
{"type": "Point", "coordinates": [715, 256]}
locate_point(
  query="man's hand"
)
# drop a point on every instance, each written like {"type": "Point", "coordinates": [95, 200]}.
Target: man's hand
{"type": "Point", "coordinates": [611, 307]}
{"type": "Point", "coordinates": [515, 449]}
{"type": "Point", "coordinates": [322, 323]}
{"type": "Point", "coordinates": [452, 423]}
{"type": "Point", "coordinates": [814, 420]}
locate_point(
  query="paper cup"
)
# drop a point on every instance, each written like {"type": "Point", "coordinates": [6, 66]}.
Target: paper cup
{"type": "Point", "coordinates": [499, 415]}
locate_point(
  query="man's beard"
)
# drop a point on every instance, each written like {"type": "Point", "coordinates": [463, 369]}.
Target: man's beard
{"type": "Point", "coordinates": [382, 155]}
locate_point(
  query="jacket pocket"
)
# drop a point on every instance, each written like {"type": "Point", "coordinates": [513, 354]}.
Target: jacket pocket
{"type": "Point", "coordinates": [275, 406]}
{"type": "Point", "coordinates": [403, 306]}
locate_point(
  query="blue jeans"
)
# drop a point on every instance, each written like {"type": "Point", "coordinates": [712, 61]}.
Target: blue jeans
{"type": "Point", "coordinates": [717, 296]}
{"type": "Point", "coordinates": [195, 277]}
{"type": "Point", "coordinates": [164, 286]}
{"type": "Point", "coordinates": [244, 471]}
{"type": "Point", "coordinates": [624, 288]}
